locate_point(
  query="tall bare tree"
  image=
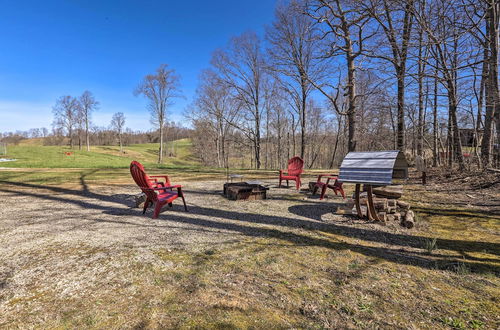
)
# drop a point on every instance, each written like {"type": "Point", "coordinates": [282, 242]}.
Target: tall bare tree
{"type": "Point", "coordinates": [491, 84]}
{"type": "Point", "coordinates": [216, 106]}
{"type": "Point", "coordinates": [241, 66]}
{"type": "Point", "coordinates": [87, 104]}
{"type": "Point", "coordinates": [118, 124]}
{"type": "Point", "coordinates": [395, 17]}
{"type": "Point", "coordinates": [160, 88]}
{"type": "Point", "coordinates": [343, 28]}
{"type": "Point", "coordinates": [294, 56]}
{"type": "Point", "coordinates": [441, 22]}
{"type": "Point", "coordinates": [65, 115]}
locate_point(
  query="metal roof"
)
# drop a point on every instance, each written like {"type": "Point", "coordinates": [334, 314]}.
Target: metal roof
{"type": "Point", "coordinates": [373, 167]}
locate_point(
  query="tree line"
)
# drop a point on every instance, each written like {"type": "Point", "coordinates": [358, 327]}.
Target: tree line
{"type": "Point", "coordinates": [98, 135]}
{"type": "Point", "coordinates": [333, 76]}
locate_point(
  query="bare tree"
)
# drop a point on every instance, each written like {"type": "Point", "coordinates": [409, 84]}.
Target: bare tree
{"type": "Point", "coordinates": [118, 124]}
{"type": "Point", "coordinates": [159, 89]}
{"type": "Point", "coordinates": [293, 55]}
{"type": "Point", "coordinates": [492, 9]}
{"type": "Point", "coordinates": [87, 104]}
{"type": "Point", "coordinates": [396, 20]}
{"type": "Point", "coordinates": [343, 25]}
{"type": "Point", "coordinates": [441, 22]}
{"type": "Point", "coordinates": [65, 115]}
{"type": "Point", "coordinates": [216, 106]}
{"type": "Point", "coordinates": [241, 67]}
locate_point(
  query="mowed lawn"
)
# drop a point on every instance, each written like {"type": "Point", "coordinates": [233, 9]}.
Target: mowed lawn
{"type": "Point", "coordinates": [36, 163]}
{"type": "Point", "coordinates": [32, 154]}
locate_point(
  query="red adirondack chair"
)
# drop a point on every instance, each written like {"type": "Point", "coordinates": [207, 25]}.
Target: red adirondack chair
{"type": "Point", "coordinates": [295, 169]}
{"type": "Point", "coordinates": [157, 192]}
{"type": "Point", "coordinates": [336, 186]}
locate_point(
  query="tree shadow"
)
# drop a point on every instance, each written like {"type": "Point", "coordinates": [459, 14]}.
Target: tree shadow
{"type": "Point", "coordinates": [463, 213]}
{"type": "Point", "coordinates": [85, 192]}
{"type": "Point", "coordinates": [308, 218]}
{"type": "Point", "coordinates": [316, 213]}
{"type": "Point", "coordinates": [396, 254]}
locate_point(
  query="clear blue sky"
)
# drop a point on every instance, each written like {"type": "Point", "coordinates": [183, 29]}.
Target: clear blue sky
{"type": "Point", "coordinates": [52, 48]}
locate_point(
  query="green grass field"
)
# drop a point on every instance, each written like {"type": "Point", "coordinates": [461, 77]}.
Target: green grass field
{"type": "Point", "coordinates": [31, 155]}
{"type": "Point", "coordinates": [36, 163]}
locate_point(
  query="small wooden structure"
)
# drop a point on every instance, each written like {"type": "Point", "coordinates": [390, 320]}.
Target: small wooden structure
{"type": "Point", "coordinates": [374, 168]}
{"type": "Point", "coordinates": [244, 191]}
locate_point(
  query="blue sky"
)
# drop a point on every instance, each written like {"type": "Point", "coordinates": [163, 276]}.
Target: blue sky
{"type": "Point", "coordinates": [53, 48]}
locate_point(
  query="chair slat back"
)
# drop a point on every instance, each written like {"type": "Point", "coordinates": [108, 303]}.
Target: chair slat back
{"type": "Point", "coordinates": [295, 166]}
{"type": "Point", "coordinates": [142, 179]}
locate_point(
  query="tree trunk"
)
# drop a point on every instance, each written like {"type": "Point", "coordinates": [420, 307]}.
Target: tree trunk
{"type": "Point", "coordinates": [435, 127]}
{"type": "Point", "coordinates": [401, 114]}
{"type": "Point", "coordinates": [457, 144]}
{"type": "Point", "coordinates": [420, 125]}
{"type": "Point", "coordinates": [492, 88]}
{"type": "Point", "coordinates": [71, 138]}
{"type": "Point", "coordinates": [303, 118]}
{"type": "Point", "coordinates": [120, 141]}
{"type": "Point", "coordinates": [160, 155]}
{"type": "Point", "coordinates": [87, 138]}
{"type": "Point", "coordinates": [257, 137]}
{"type": "Point", "coordinates": [351, 112]}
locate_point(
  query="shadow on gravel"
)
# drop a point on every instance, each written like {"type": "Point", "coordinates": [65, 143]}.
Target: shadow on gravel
{"type": "Point", "coordinates": [306, 217]}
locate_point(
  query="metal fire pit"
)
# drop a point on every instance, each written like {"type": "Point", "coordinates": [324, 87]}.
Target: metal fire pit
{"type": "Point", "coordinates": [244, 191]}
{"type": "Point", "coordinates": [374, 168]}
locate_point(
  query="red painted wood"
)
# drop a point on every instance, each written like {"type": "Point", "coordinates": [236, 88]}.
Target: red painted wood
{"type": "Point", "coordinates": [295, 169]}
{"type": "Point", "coordinates": [158, 193]}
{"type": "Point", "coordinates": [336, 186]}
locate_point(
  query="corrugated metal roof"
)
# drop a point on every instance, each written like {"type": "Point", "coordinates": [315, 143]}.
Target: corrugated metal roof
{"type": "Point", "coordinates": [373, 167]}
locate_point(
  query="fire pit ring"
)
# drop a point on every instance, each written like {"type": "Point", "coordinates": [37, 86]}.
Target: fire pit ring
{"type": "Point", "coordinates": [245, 191]}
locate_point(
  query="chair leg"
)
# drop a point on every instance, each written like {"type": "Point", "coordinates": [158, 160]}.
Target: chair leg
{"type": "Point", "coordinates": [157, 210]}
{"type": "Point", "coordinates": [297, 184]}
{"type": "Point", "coordinates": [146, 204]}
{"type": "Point", "coordinates": [184, 201]}
{"type": "Point", "coordinates": [279, 186]}
{"type": "Point", "coordinates": [287, 185]}
{"type": "Point", "coordinates": [169, 204]}
{"type": "Point", "coordinates": [323, 191]}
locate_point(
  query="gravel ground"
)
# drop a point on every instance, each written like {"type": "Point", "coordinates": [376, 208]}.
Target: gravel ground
{"type": "Point", "coordinates": [99, 216]}
{"type": "Point", "coordinates": [63, 239]}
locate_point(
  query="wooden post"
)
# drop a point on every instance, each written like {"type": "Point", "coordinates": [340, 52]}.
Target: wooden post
{"type": "Point", "coordinates": [356, 201]}
{"type": "Point", "coordinates": [371, 213]}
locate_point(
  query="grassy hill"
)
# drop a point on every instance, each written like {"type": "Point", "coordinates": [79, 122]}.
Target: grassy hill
{"type": "Point", "coordinates": [32, 154]}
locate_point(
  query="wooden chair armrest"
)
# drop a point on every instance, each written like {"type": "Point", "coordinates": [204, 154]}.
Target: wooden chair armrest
{"type": "Point", "coordinates": [161, 188]}
{"type": "Point", "coordinates": [174, 186]}
{"type": "Point", "coordinates": [160, 176]}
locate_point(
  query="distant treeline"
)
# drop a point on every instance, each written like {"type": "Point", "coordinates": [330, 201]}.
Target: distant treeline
{"type": "Point", "coordinates": [97, 136]}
